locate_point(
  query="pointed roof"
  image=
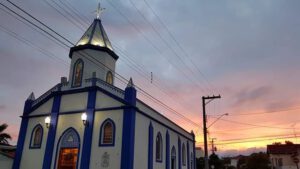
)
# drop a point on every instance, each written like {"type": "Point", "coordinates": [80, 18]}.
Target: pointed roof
{"type": "Point", "coordinates": [130, 83]}
{"type": "Point", "coordinates": [31, 96]}
{"type": "Point", "coordinates": [95, 35]}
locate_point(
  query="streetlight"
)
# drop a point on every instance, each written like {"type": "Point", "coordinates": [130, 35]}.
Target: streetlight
{"type": "Point", "coordinates": [225, 114]}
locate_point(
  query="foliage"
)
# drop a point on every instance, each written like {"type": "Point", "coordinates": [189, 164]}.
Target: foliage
{"type": "Point", "coordinates": [200, 163]}
{"type": "Point", "coordinates": [4, 137]}
{"type": "Point", "coordinates": [215, 161]}
{"type": "Point", "coordinates": [288, 142]}
{"type": "Point", "coordinates": [258, 161]}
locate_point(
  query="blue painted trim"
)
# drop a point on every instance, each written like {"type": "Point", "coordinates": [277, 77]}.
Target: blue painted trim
{"type": "Point", "coordinates": [161, 153]}
{"type": "Point", "coordinates": [88, 130]}
{"type": "Point", "coordinates": [188, 154]}
{"type": "Point", "coordinates": [22, 135]}
{"type": "Point", "coordinates": [127, 154]}
{"type": "Point", "coordinates": [167, 150]}
{"type": "Point", "coordinates": [183, 154]}
{"type": "Point", "coordinates": [101, 144]}
{"type": "Point", "coordinates": [81, 72]}
{"type": "Point", "coordinates": [78, 90]}
{"type": "Point", "coordinates": [150, 147]}
{"type": "Point", "coordinates": [194, 154]}
{"type": "Point", "coordinates": [51, 133]}
{"type": "Point", "coordinates": [58, 146]}
{"type": "Point", "coordinates": [33, 134]}
{"type": "Point", "coordinates": [179, 153]}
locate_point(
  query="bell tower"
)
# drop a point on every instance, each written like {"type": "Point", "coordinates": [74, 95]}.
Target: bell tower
{"type": "Point", "coordinates": [93, 53]}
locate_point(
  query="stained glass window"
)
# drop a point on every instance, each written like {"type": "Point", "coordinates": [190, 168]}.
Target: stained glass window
{"type": "Point", "coordinates": [77, 73]}
{"type": "Point", "coordinates": [159, 147]}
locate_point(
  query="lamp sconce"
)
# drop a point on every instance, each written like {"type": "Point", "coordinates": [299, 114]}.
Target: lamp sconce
{"type": "Point", "coordinates": [84, 119]}
{"type": "Point", "coordinates": [47, 121]}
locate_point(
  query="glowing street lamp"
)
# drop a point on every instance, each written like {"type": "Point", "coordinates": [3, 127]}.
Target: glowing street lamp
{"type": "Point", "coordinates": [84, 119]}
{"type": "Point", "coordinates": [47, 121]}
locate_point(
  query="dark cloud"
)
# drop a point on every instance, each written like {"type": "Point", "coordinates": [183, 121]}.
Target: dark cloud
{"type": "Point", "coordinates": [250, 95]}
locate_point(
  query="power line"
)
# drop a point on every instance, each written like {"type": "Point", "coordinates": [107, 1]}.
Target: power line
{"type": "Point", "coordinates": [154, 46]}
{"type": "Point", "coordinates": [177, 43]}
{"type": "Point", "coordinates": [118, 76]}
{"type": "Point", "coordinates": [265, 112]}
{"type": "Point", "coordinates": [160, 37]}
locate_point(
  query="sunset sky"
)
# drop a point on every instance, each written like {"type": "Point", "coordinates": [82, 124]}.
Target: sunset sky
{"type": "Point", "coordinates": [246, 51]}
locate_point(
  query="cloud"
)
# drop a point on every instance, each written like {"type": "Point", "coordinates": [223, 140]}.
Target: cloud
{"type": "Point", "coordinates": [250, 95]}
{"type": "Point", "coordinates": [2, 107]}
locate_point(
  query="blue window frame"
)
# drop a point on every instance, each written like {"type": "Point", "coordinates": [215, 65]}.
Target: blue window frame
{"type": "Point", "coordinates": [107, 133]}
{"type": "Point", "coordinates": [159, 148]}
{"type": "Point", "coordinates": [36, 137]}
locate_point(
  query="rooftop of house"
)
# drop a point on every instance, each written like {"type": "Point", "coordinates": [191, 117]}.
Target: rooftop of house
{"type": "Point", "coordinates": [283, 148]}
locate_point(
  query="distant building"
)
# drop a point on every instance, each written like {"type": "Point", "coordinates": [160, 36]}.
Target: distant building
{"type": "Point", "coordinates": [87, 122]}
{"type": "Point", "coordinates": [7, 154]}
{"type": "Point", "coordinates": [284, 156]}
{"type": "Point", "coordinates": [199, 152]}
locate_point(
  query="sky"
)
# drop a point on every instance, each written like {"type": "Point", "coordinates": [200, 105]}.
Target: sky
{"type": "Point", "coordinates": [246, 51]}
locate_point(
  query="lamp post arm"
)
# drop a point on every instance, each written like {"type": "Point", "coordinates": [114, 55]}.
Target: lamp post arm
{"type": "Point", "coordinates": [226, 114]}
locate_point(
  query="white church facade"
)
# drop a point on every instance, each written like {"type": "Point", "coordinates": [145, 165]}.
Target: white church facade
{"type": "Point", "coordinates": [86, 122]}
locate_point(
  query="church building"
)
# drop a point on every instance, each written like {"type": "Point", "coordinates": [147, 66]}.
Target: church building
{"type": "Point", "coordinates": [86, 122]}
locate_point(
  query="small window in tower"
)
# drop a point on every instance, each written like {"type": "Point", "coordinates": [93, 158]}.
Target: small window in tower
{"type": "Point", "coordinates": [77, 73]}
{"type": "Point", "coordinates": [109, 78]}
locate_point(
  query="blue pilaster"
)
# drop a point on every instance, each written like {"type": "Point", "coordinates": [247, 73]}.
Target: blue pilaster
{"type": "Point", "coordinates": [51, 132]}
{"type": "Point", "coordinates": [194, 151]}
{"type": "Point", "coordinates": [88, 130]}
{"type": "Point", "coordinates": [127, 154]}
{"type": "Point", "coordinates": [167, 150]}
{"type": "Point", "coordinates": [22, 134]}
{"type": "Point", "coordinates": [179, 153]}
{"type": "Point", "coordinates": [150, 147]}
{"type": "Point", "coordinates": [188, 163]}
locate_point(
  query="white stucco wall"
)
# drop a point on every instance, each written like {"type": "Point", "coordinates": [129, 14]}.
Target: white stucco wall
{"type": "Point", "coordinates": [286, 161]}
{"type": "Point", "coordinates": [163, 119]}
{"type": "Point", "coordinates": [33, 158]}
{"type": "Point", "coordinates": [72, 102]}
{"type": "Point", "coordinates": [95, 66]}
{"type": "Point", "coordinates": [141, 143]}
{"type": "Point", "coordinates": [44, 108]}
{"type": "Point", "coordinates": [104, 101]}
{"type": "Point", "coordinates": [65, 122]}
{"type": "Point", "coordinates": [114, 152]}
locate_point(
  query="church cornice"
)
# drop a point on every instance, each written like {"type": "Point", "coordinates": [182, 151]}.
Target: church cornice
{"type": "Point", "coordinates": [93, 47]}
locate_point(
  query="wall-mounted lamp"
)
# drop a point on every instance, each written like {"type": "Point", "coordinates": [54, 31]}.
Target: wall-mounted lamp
{"type": "Point", "coordinates": [84, 119]}
{"type": "Point", "coordinates": [47, 121]}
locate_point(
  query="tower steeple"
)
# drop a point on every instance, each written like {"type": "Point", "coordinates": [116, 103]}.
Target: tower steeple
{"type": "Point", "coordinates": [92, 54]}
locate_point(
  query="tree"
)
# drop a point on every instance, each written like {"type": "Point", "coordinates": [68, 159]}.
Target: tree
{"type": "Point", "coordinates": [4, 137]}
{"type": "Point", "coordinates": [258, 161]}
{"type": "Point", "coordinates": [215, 161]}
{"type": "Point", "coordinates": [200, 163]}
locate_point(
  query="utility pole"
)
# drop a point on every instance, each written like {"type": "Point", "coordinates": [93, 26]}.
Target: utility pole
{"type": "Point", "coordinates": [204, 103]}
{"type": "Point", "coordinates": [213, 148]}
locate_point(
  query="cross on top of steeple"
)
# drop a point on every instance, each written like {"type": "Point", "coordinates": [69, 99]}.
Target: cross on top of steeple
{"type": "Point", "coordinates": [99, 11]}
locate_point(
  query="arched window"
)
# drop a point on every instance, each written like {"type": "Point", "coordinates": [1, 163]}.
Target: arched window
{"type": "Point", "coordinates": [109, 78]}
{"type": "Point", "coordinates": [77, 73]}
{"type": "Point", "coordinates": [159, 148]}
{"type": "Point", "coordinates": [36, 137]}
{"type": "Point", "coordinates": [173, 158]}
{"type": "Point", "coordinates": [68, 152]}
{"type": "Point", "coordinates": [183, 155]}
{"type": "Point", "coordinates": [107, 133]}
